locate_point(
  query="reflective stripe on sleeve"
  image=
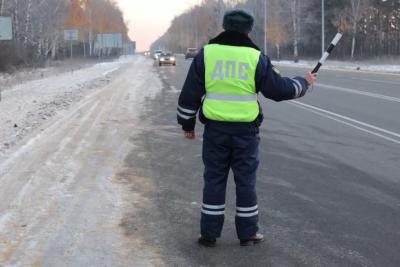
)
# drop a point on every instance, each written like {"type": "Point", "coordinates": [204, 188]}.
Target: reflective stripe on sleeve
{"type": "Point", "coordinates": [227, 97]}
{"type": "Point", "coordinates": [298, 87]}
{"type": "Point", "coordinates": [188, 111]}
{"type": "Point", "coordinates": [185, 117]}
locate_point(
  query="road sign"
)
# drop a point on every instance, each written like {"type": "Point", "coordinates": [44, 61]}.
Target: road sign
{"type": "Point", "coordinates": [108, 40]}
{"type": "Point", "coordinates": [71, 35]}
{"type": "Point", "coordinates": [5, 29]}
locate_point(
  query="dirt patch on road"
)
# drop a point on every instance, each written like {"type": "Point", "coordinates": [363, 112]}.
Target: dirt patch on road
{"type": "Point", "coordinates": [135, 222]}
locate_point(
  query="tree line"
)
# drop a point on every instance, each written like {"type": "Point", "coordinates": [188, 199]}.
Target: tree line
{"type": "Point", "coordinates": [293, 27]}
{"type": "Point", "coordinates": [38, 28]}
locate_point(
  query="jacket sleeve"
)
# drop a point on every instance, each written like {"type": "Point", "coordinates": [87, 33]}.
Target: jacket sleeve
{"type": "Point", "coordinates": [273, 86]}
{"type": "Point", "coordinates": [192, 93]}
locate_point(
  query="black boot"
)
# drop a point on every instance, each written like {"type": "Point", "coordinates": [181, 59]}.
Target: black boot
{"type": "Point", "coordinates": [207, 242]}
{"type": "Point", "coordinates": [257, 238]}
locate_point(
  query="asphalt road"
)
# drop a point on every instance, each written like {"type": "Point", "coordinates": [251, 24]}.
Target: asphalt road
{"type": "Point", "coordinates": [328, 184]}
{"type": "Point", "coordinates": [112, 182]}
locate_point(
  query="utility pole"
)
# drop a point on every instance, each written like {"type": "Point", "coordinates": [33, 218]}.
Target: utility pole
{"type": "Point", "coordinates": [265, 27]}
{"type": "Point", "coordinates": [70, 43]}
{"type": "Point", "coordinates": [1, 13]}
{"type": "Point", "coordinates": [197, 10]}
{"type": "Point", "coordinates": [323, 26]}
{"type": "Point", "coordinates": [197, 27]}
{"type": "Point", "coordinates": [2, 7]}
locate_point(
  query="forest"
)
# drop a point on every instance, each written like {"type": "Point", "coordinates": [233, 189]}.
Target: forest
{"type": "Point", "coordinates": [293, 28]}
{"type": "Point", "coordinates": [38, 29]}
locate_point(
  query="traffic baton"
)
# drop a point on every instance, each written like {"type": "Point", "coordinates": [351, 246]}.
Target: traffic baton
{"type": "Point", "coordinates": [334, 42]}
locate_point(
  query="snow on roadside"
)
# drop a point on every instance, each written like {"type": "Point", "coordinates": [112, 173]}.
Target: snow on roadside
{"type": "Point", "coordinates": [343, 65]}
{"type": "Point", "coordinates": [27, 106]}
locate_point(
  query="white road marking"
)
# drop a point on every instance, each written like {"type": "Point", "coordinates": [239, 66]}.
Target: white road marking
{"type": "Point", "coordinates": [349, 122]}
{"type": "Point", "coordinates": [379, 81]}
{"type": "Point", "coordinates": [358, 92]}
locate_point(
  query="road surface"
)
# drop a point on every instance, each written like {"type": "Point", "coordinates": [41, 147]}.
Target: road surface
{"type": "Point", "coordinates": [112, 182]}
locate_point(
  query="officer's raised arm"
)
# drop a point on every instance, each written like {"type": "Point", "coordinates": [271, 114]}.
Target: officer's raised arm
{"type": "Point", "coordinates": [190, 98]}
{"type": "Point", "coordinates": [273, 86]}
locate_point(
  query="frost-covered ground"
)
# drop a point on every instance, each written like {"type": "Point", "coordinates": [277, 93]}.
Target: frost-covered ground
{"type": "Point", "coordinates": [26, 106]}
{"type": "Point", "coordinates": [343, 65]}
{"type": "Point", "coordinates": [69, 192]}
{"type": "Point", "coordinates": [53, 68]}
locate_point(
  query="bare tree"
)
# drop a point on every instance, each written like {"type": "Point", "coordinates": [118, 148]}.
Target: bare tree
{"type": "Point", "coordinates": [277, 32]}
{"type": "Point", "coordinates": [357, 8]}
{"type": "Point", "coordinates": [294, 9]}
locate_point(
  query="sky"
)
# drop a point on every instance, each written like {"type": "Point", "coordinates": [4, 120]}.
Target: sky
{"type": "Point", "coordinates": [149, 19]}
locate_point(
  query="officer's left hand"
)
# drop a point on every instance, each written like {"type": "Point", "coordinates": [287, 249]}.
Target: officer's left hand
{"type": "Point", "coordinates": [190, 135]}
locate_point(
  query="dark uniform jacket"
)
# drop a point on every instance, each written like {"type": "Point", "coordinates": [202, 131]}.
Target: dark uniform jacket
{"type": "Point", "coordinates": [268, 82]}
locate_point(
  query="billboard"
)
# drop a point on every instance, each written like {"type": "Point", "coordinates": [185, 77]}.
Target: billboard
{"type": "Point", "coordinates": [71, 35]}
{"type": "Point", "coordinates": [108, 40]}
{"type": "Point", "coordinates": [5, 29]}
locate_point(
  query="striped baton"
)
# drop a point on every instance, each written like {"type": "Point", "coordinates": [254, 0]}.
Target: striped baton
{"type": "Point", "coordinates": [334, 42]}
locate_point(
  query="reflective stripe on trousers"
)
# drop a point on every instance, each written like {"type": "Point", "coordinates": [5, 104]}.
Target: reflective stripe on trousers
{"type": "Point", "coordinates": [222, 152]}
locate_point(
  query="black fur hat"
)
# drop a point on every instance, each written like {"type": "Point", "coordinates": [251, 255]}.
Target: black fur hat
{"type": "Point", "coordinates": [238, 20]}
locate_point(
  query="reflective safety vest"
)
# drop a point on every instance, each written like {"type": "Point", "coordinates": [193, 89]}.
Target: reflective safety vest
{"type": "Point", "coordinates": [230, 83]}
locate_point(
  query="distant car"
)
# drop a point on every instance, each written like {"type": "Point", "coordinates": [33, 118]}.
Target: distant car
{"type": "Point", "coordinates": [147, 53]}
{"type": "Point", "coordinates": [191, 53]}
{"type": "Point", "coordinates": [156, 54]}
{"type": "Point", "coordinates": [167, 58]}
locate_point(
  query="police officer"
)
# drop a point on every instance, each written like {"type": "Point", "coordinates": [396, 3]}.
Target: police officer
{"type": "Point", "coordinates": [223, 85]}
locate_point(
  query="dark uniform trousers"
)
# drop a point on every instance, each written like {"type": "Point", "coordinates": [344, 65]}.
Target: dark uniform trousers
{"type": "Point", "coordinates": [222, 152]}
